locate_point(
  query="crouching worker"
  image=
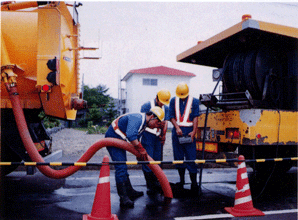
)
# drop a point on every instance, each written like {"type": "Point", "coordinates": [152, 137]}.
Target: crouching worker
{"type": "Point", "coordinates": [129, 127]}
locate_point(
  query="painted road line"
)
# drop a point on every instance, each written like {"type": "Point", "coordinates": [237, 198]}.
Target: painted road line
{"type": "Point", "coordinates": [221, 216]}
{"type": "Point", "coordinates": [82, 178]}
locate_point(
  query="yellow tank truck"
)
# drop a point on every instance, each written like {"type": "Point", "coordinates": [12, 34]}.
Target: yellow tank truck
{"type": "Point", "coordinates": [255, 111]}
{"type": "Point", "coordinates": [39, 56]}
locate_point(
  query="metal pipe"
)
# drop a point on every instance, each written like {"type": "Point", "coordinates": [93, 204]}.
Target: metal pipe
{"type": "Point", "coordinates": [21, 5]}
{"type": "Point", "coordinates": [204, 132]}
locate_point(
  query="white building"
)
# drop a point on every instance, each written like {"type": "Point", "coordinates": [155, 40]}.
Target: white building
{"type": "Point", "coordinates": [142, 85]}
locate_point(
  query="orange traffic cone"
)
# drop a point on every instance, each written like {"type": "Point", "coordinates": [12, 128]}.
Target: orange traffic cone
{"type": "Point", "coordinates": [243, 201]}
{"type": "Point", "coordinates": [101, 208]}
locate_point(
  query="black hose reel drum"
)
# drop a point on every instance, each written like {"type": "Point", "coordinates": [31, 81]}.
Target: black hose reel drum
{"type": "Point", "coordinates": [258, 71]}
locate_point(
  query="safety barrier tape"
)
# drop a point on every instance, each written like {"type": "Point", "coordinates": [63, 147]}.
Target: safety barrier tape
{"type": "Point", "coordinates": [145, 162]}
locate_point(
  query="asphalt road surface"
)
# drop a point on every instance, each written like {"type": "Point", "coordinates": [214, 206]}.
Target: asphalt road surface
{"type": "Point", "coordinates": [38, 197]}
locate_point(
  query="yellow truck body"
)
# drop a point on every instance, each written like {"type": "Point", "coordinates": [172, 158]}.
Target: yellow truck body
{"type": "Point", "coordinates": [256, 109]}
{"type": "Point", "coordinates": [40, 57]}
{"type": "Point", "coordinates": [253, 127]}
{"type": "Point", "coordinates": [29, 40]}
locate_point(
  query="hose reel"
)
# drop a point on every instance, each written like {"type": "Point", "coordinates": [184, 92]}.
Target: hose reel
{"type": "Point", "coordinates": [258, 71]}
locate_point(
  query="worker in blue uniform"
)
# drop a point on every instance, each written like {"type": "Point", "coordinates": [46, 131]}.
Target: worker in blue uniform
{"type": "Point", "coordinates": [153, 139]}
{"type": "Point", "coordinates": [184, 111]}
{"type": "Point", "coordinates": [129, 127]}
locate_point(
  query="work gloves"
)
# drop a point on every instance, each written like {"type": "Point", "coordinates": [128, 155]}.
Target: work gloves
{"type": "Point", "coordinates": [142, 155]}
{"type": "Point", "coordinates": [162, 136]}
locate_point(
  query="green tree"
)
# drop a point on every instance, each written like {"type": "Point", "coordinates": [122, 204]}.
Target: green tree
{"type": "Point", "coordinates": [111, 112]}
{"type": "Point", "coordinates": [49, 122]}
{"type": "Point", "coordinates": [95, 114]}
{"type": "Point", "coordinates": [101, 106]}
{"type": "Point", "coordinates": [97, 95]}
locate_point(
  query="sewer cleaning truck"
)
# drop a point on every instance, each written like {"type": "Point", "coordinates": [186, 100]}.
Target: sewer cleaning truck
{"type": "Point", "coordinates": [39, 72]}
{"type": "Point", "coordinates": [255, 111]}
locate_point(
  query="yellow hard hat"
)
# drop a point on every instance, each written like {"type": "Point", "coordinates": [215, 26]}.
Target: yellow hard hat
{"type": "Point", "coordinates": [164, 96]}
{"type": "Point", "coordinates": [158, 112]}
{"type": "Point", "coordinates": [182, 90]}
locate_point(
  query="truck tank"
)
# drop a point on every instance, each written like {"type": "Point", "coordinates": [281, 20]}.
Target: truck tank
{"type": "Point", "coordinates": [40, 54]}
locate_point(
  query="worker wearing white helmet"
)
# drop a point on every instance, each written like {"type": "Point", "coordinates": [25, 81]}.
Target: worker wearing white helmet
{"type": "Point", "coordinates": [153, 139]}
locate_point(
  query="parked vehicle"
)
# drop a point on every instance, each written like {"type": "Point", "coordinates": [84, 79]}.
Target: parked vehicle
{"type": "Point", "coordinates": [39, 71]}
{"type": "Point", "coordinates": [255, 112]}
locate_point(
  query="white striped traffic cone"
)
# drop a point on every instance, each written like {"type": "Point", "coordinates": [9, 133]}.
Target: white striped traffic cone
{"type": "Point", "coordinates": [243, 201]}
{"type": "Point", "coordinates": [101, 209]}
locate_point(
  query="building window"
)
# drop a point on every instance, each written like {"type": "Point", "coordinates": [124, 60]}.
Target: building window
{"type": "Point", "coordinates": [150, 82]}
{"type": "Point", "coordinates": [153, 82]}
{"type": "Point", "coordinates": [146, 82]}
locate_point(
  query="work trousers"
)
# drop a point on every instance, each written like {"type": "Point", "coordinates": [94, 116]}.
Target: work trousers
{"type": "Point", "coordinates": [152, 145]}
{"type": "Point", "coordinates": [117, 154]}
{"type": "Point", "coordinates": [184, 151]}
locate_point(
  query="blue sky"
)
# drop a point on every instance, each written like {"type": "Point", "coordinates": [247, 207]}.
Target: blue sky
{"type": "Point", "coordinates": [133, 35]}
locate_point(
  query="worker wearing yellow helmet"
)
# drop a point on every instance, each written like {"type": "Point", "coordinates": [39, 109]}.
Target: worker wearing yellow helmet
{"type": "Point", "coordinates": [153, 139]}
{"type": "Point", "coordinates": [129, 127]}
{"type": "Point", "coordinates": [184, 111]}
{"type": "Point", "coordinates": [158, 113]}
{"type": "Point", "coordinates": [163, 96]}
{"type": "Point", "coordinates": [182, 90]}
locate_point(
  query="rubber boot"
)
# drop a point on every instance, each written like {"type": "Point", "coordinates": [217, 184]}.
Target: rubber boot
{"type": "Point", "coordinates": [181, 172]}
{"type": "Point", "coordinates": [132, 194]}
{"type": "Point", "coordinates": [125, 201]}
{"type": "Point", "coordinates": [194, 184]}
{"type": "Point", "coordinates": [152, 183]}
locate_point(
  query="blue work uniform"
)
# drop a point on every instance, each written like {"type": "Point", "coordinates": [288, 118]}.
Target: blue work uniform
{"type": "Point", "coordinates": [150, 138]}
{"type": "Point", "coordinates": [184, 150]}
{"type": "Point", "coordinates": [129, 127]}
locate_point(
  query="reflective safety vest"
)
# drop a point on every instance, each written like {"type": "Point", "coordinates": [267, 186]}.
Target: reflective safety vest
{"type": "Point", "coordinates": [156, 131]}
{"type": "Point", "coordinates": [184, 120]}
{"type": "Point", "coordinates": [122, 134]}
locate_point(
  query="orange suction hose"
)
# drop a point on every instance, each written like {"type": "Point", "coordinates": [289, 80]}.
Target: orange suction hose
{"type": "Point", "coordinates": [58, 174]}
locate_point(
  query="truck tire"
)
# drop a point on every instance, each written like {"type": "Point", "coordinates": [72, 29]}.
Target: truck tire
{"type": "Point", "coordinates": [264, 169]}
